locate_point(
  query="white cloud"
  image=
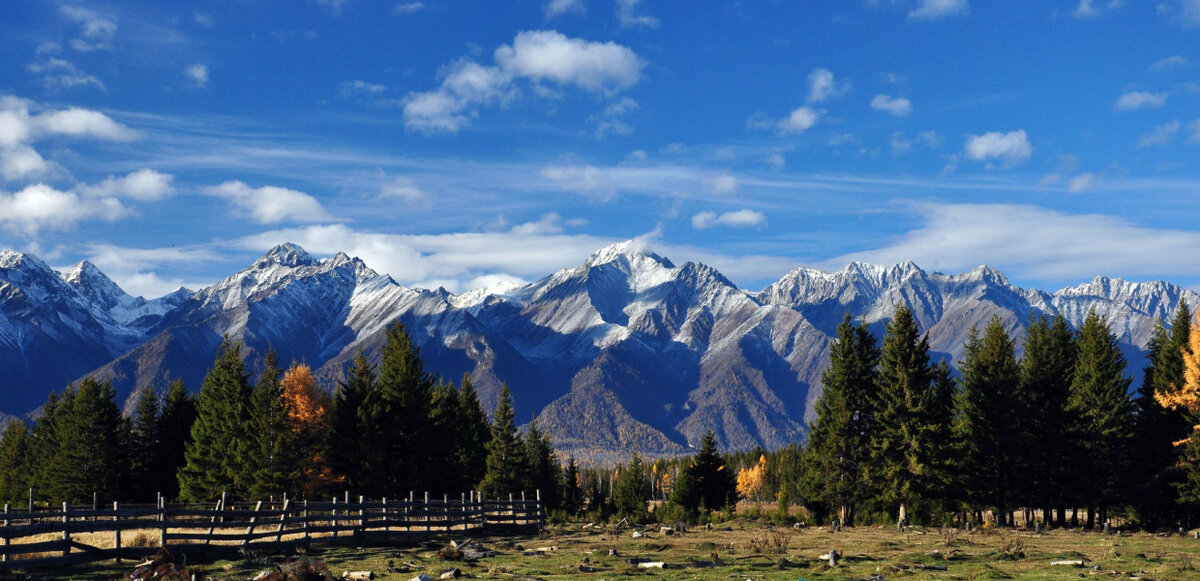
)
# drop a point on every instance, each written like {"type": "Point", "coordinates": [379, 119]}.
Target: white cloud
{"type": "Point", "coordinates": [588, 180]}
{"type": "Point", "coordinates": [1135, 100]}
{"type": "Point", "coordinates": [408, 7]}
{"type": "Point", "coordinates": [271, 204]}
{"type": "Point", "coordinates": [38, 207]}
{"type": "Point", "coordinates": [737, 219]}
{"type": "Point", "coordinates": [722, 184]}
{"type": "Point", "coordinates": [1187, 12]}
{"type": "Point", "coordinates": [22, 123]}
{"type": "Point", "coordinates": [22, 162]}
{"type": "Point", "coordinates": [197, 74]}
{"type": "Point", "coordinates": [1034, 243]}
{"type": "Point", "coordinates": [937, 9]}
{"type": "Point", "coordinates": [404, 190]}
{"type": "Point", "coordinates": [96, 31]}
{"type": "Point", "coordinates": [203, 19]}
{"type": "Point", "coordinates": [799, 121]}
{"type": "Point", "coordinates": [136, 270]}
{"type": "Point", "coordinates": [1160, 136]}
{"type": "Point", "coordinates": [58, 74]}
{"type": "Point", "coordinates": [1171, 62]}
{"type": "Point", "coordinates": [536, 56]}
{"type": "Point", "coordinates": [1012, 148]}
{"type": "Point", "coordinates": [348, 89]}
{"type": "Point", "coordinates": [1094, 8]}
{"type": "Point", "coordinates": [548, 224]}
{"type": "Point", "coordinates": [822, 86]}
{"type": "Point", "coordinates": [628, 16]}
{"type": "Point", "coordinates": [145, 185]}
{"type": "Point", "coordinates": [612, 121]}
{"type": "Point", "coordinates": [77, 122]}
{"type": "Point", "coordinates": [897, 106]}
{"type": "Point", "coordinates": [776, 161]}
{"type": "Point", "coordinates": [559, 7]}
{"type": "Point", "coordinates": [1081, 182]}
{"type": "Point", "coordinates": [548, 55]}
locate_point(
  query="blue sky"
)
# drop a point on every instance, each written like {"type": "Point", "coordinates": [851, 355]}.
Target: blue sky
{"type": "Point", "coordinates": [458, 143]}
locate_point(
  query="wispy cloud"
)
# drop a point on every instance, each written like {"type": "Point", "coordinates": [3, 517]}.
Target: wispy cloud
{"type": "Point", "coordinates": [1134, 100]}
{"type": "Point", "coordinates": [197, 75]}
{"type": "Point", "coordinates": [271, 204]}
{"type": "Point", "coordinates": [1160, 136]}
{"type": "Point", "coordinates": [896, 106]}
{"type": "Point", "coordinates": [938, 9]}
{"type": "Point", "coordinates": [629, 16]}
{"type": "Point", "coordinates": [556, 8]}
{"type": "Point", "coordinates": [96, 31]}
{"type": "Point", "coordinates": [737, 219]}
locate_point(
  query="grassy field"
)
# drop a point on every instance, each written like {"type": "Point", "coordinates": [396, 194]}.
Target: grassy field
{"type": "Point", "coordinates": [743, 549]}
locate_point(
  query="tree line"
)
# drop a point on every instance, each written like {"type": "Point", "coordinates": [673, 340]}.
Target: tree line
{"type": "Point", "coordinates": [387, 430]}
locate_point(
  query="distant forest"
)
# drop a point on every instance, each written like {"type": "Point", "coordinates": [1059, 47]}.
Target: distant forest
{"type": "Point", "coordinates": [897, 437]}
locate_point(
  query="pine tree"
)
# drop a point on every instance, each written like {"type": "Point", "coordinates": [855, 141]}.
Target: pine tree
{"type": "Point", "coordinates": [904, 443]}
{"type": "Point", "coordinates": [46, 440]}
{"type": "Point", "coordinates": [837, 444]}
{"type": "Point", "coordinates": [145, 447]}
{"type": "Point", "coordinates": [270, 466]}
{"type": "Point", "coordinates": [89, 457]}
{"type": "Point", "coordinates": [572, 494]}
{"type": "Point", "coordinates": [506, 453]}
{"type": "Point", "coordinates": [1157, 428]}
{"type": "Point", "coordinates": [398, 443]}
{"type": "Point", "coordinates": [471, 435]}
{"type": "Point", "coordinates": [348, 421]}
{"type": "Point", "coordinates": [1046, 370]}
{"type": "Point", "coordinates": [444, 419]}
{"type": "Point", "coordinates": [542, 469]}
{"type": "Point", "coordinates": [989, 404]}
{"type": "Point", "coordinates": [1099, 402]}
{"type": "Point", "coordinates": [214, 456]}
{"type": "Point", "coordinates": [705, 484]}
{"type": "Point", "coordinates": [632, 490]}
{"type": "Point", "coordinates": [14, 451]}
{"type": "Point", "coordinates": [175, 429]}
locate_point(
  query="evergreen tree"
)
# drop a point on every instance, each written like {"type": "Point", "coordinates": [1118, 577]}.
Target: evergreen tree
{"type": "Point", "coordinates": [1185, 396]}
{"type": "Point", "coordinates": [14, 450]}
{"type": "Point", "coordinates": [175, 429]}
{"type": "Point", "coordinates": [444, 419]}
{"type": "Point", "coordinates": [572, 495]}
{"type": "Point", "coordinates": [214, 455]}
{"type": "Point", "coordinates": [989, 403]}
{"type": "Point", "coordinates": [506, 453]}
{"type": "Point", "coordinates": [1046, 370]}
{"type": "Point", "coordinates": [472, 435]}
{"type": "Point", "coordinates": [837, 444]}
{"type": "Point", "coordinates": [271, 465]}
{"type": "Point", "coordinates": [1158, 428]}
{"type": "Point", "coordinates": [1099, 402]}
{"type": "Point", "coordinates": [632, 490]}
{"type": "Point", "coordinates": [46, 440]}
{"type": "Point", "coordinates": [346, 430]}
{"type": "Point", "coordinates": [89, 456]}
{"type": "Point", "coordinates": [399, 446]}
{"type": "Point", "coordinates": [904, 443]}
{"type": "Point", "coordinates": [542, 468]}
{"type": "Point", "coordinates": [145, 447]}
{"type": "Point", "coordinates": [705, 484]}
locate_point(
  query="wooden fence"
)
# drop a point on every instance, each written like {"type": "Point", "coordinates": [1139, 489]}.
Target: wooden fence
{"type": "Point", "coordinates": [53, 537]}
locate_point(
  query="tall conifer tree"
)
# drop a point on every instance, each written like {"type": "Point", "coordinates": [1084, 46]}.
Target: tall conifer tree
{"type": "Point", "coordinates": [270, 465]}
{"type": "Point", "coordinates": [543, 470]}
{"type": "Point", "coordinates": [349, 417]}
{"type": "Point", "coordinates": [398, 444]}
{"type": "Point", "coordinates": [175, 429]}
{"type": "Point", "coordinates": [472, 434]}
{"type": "Point", "coordinates": [1046, 371]}
{"type": "Point", "coordinates": [506, 453]}
{"type": "Point", "coordinates": [145, 448]}
{"type": "Point", "coordinates": [14, 452]}
{"type": "Point", "coordinates": [215, 455]}
{"type": "Point", "coordinates": [1158, 428]}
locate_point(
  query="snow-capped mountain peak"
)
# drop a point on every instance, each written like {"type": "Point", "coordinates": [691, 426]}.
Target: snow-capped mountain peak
{"type": "Point", "coordinates": [630, 251]}
{"type": "Point", "coordinates": [94, 285]}
{"type": "Point", "coordinates": [287, 254]}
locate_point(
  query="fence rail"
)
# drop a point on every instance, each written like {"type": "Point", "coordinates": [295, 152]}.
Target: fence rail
{"type": "Point", "coordinates": [51, 537]}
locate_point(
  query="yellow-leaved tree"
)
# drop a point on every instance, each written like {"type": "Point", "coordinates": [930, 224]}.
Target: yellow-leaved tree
{"type": "Point", "coordinates": [308, 418]}
{"type": "Point", "coordinates": [1187, 397]}
{"type": "Point", "coordinates": [750, 481]}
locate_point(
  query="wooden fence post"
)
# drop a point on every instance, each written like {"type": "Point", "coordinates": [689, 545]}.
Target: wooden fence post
{"type": "Point", "coordinates": [336, 523]}
{"type": "Point", "coordinates": [162, 522]}
{"type": "Point", "coordinates": [426, 511]}
{"type": "Point", "coordinates": [4, 555]}
{"type": "Point", "coordinates": [282, 517]}
{"type": "Point", "coordinates": [387, 523]}
{"type": "Point", "coordinates": [213, 524]}
{"type": "Point", "coordinates": [117, 530]}
{"type": "Point", "coordinates": [253, 521]}
{"type": "Point", "coordinates": [66, 534]}
{"type": "Point", "coordinates": [448, 522]}
{"type": "Point", "coordinates": [306, 519]}
{"type": "Point", "coordinates": [362, 516]}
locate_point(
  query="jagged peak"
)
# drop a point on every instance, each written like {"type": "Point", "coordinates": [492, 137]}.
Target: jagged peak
{"type": "Point", "coordinates": [630, 250]}
{"type": "Point", "coordinates": [287, 254]}
{"type": "Point", "coordinates": [987, 273]}
{"type": "Point", "coordinates": [13, 259]}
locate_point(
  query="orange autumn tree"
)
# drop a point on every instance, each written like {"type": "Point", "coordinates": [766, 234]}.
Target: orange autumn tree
{"type": "Point", "coordinates": [750, 481]}
{"type": "Point", "coordinates": [1186, 396]}
{"type": "Point", "coordinates": [309, 421]}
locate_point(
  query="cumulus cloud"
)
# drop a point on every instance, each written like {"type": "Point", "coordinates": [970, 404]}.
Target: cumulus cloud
{"type": "Point", "coordinates": [145, 185]}
{"type": "Point", "coordinates": [938, 9]}
{"type": "Point", "coordinates": [629, 17]}
{"type": "Point", "coordinates": [800, 120]}
{"type": "Point", "coordinates": [541, 56]}
{"type": "Point", "coordinates": [39, 207]}
{"type": "Point", "coordinates": [197, 74]}
{"type": "Point", "coordinates": [77, 122]}
{"type": "Point", "coordinates": [138, 270]}
{"type": "Point", "coordinates": [271, 204]}
{"type": "Point", "coordinates": [23, 122]}
{"type": "Point", "coordinates": [897, 106]}
{"type": "Point", "coordinates": [1011, 148]}
{"type": "Point", "coordinates": [1134, 100]}
{"type": "Point", "coordinates": [559, 7]}
{"type": "Point", "coordinates": [722, 184]}
{"type": "Point", "coordinates": [822, 86]}
{"type": "Point", "coordinates": [1160, 136]}
{"type": "Point", "coordinates": [1031, 242]}
{"type": "Point", "coordinates": [96, 31]}
{"type": "Point", "coordinates": [737, 219]}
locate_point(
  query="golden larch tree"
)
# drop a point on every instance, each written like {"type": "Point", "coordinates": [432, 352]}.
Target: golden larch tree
{"type": "Point", "coordinates": [309, 421]}
{"type": "Point", "coordinates": [750, 481]}
{"type": "Point", "coordinates": [1186, 396]}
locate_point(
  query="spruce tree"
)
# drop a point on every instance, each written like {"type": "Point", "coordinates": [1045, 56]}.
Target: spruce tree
{"type": "Point", "coordinates": [1103, 428]}
{"type": "Point", "coordinates": [214, 457]}
{"type": "Point", "coordinates": [572, 495]}
{"type": "Point", "coordinates": [506, 453]}
{"type": "Point", "coordinates": [89, 457]}
{"type": "Point", "coordinates": [46, 440]}
{"type": "Point", "coordinates": [1046, 370]}
{"type": "Point", "coordinates": [1158, 428]}
{"type": "Point", "coordinates": [990, 407]}
{"type": "Point", "coordinates": [271, 465]}
{"type": "Point", "coordinates": [837, 444]}
{"type": "Point", "coordinates": [542, 468]}
{"type": "Point", "coordinates": [632, 489]}
{"type": "Point", "coordinates": [175, 429]}
{"type": "Point", "coordinates": [705, 484]}
{"type": "Point", "coordinates": [398, 443]}
{"type": "Point", "coordinates": [348, 422]}
{"type": "Point", "coordinates": [145, 447]}
{"type": "Point", "coordinates": [904, 459]}
{"type": "Point", "coordinates": [472, 434]}
{"type": "Point", "coordinates": [444, 419]}
{"type": "Point", "coordinates": [14, 450]}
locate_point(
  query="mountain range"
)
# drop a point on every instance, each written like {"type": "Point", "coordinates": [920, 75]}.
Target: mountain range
{"type": "Point", "coordinates": [625, 351]}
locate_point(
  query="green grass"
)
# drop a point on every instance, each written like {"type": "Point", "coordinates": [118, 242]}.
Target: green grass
{"type": "Point", "coordinates": [753, 550]}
